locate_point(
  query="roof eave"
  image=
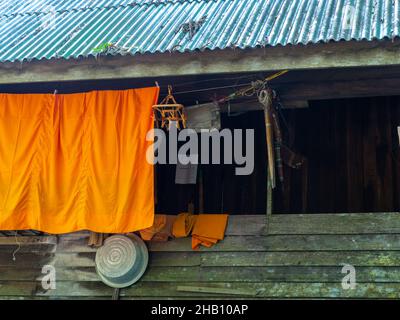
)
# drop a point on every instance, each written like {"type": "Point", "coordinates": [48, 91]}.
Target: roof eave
{"type": "Point", "coordinates": [315, 56]}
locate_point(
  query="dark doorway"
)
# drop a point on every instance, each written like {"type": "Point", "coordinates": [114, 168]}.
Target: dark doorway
{"type": "Point", "coordinates": [220, 189]}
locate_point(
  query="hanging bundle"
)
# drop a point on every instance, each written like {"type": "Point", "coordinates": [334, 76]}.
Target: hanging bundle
{"type": "Point", "coordinates": [278, 153]}
{"type": "Point", "coordinates": [169, 112]}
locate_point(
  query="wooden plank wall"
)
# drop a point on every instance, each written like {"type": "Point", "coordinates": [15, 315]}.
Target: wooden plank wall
{"type": "Point", "coordinates": [353, 154]}
{"type": "Point", "coordinates": [301, 257]}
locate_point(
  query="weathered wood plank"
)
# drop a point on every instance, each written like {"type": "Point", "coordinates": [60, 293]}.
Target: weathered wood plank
{"type": "Point", "coordinates": [76, 289]}
{"type": "Point", "coordinates": [361, 223]}
{"type": "Point", "coordinates": [40, 249]}
{"type": "Point", "coordinates": [26, 298]}
{"type": "Point", "coordinates": [17, 288]}
{"type": "Point", "coordinates": [217, 274]}
{"type": "Point", "coordinates": [80, 259]}
{"type": "Point", "coordinates": [28, 240]}
{"type": "Point", "coordinates": [270, 243]}
{"type": "Point", "coordinates": [36, 259]}
{"type": "Point", "coordinates": [265, 274]}
{"type": "Point", "coordinates": [272, 290]}
{"type": "Point", "coordinates": [75, 245]}
{"type": "Point", "coordinates": [74, 235]}
{"type": "Point", "coordinates": [290, 243]}
{"type": "Point", "coordinates": [20, 274]}
{"type": "Point", "coordinates": [246, 225]}
{"type": "Point", "coordinates": [173, 259]}
{"type": "Point", "coordinates": [277, 258]}
{"type": "Point", "coordinates": [25, 259]}
{"type": "Point", "coordinates": [215, 290]}
{"type": "Point", "coordinates": [170, 289]}
{"type": "Point", "coordinates": [297, 290]}
{"type": "Point", "coordinates": [216, 259]}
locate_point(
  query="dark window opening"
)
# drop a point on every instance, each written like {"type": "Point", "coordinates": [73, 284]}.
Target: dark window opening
{"type": "Point", "coordinates": [352, 147]}
{"type": "Point", "coordinates": [353, 156]}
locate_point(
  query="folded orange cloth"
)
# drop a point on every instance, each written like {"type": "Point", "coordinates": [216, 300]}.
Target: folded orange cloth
{"type": "Point", "coordinates": [183, 225]}
{"type": "Point", "coordinates": [159, 222]}
{"type": "Point", "coordinates": [208, 229]}
{"type": "Point", "coordinates": [197, 241]}
{"type": "Point", "coordinates": [166, 232]}
{"type": "Point", "coordinates": [161, 229]}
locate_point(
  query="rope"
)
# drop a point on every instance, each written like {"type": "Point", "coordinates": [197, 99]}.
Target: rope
{"type": "Point", "coordinates": [251, 89]}
{"type": "Point", "coordinates": [264, 97]}
{"type": "Point", "coordinates": [18, 248]}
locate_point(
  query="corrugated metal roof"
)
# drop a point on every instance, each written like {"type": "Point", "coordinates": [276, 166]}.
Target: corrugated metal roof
{"type": "Point", "coordinates": [45, 29]}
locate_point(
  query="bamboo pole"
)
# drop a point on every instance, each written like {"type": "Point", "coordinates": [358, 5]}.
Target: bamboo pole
{"type": "Point", "coordinates": [269, 204]}
{"type": "Point", "coordinates": [265, 99]}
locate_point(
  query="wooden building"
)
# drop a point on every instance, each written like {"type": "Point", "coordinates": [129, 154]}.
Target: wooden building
{"type": "Point", "coordinates": [341, 105]}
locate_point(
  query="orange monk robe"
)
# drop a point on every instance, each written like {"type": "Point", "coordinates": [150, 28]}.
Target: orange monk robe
{"type": "Point", "coordinates": [76, 161]}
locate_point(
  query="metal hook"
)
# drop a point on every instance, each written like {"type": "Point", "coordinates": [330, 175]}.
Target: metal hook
{"type": "Point", "coordinates": [169, 90]}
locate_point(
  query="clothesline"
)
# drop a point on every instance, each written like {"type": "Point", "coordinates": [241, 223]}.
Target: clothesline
{"type": "Point", "coordinates": [250, 86]}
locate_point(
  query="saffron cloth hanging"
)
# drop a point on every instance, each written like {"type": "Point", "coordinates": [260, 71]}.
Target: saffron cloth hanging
{"type": "Point", "coordinates": [70, 162]}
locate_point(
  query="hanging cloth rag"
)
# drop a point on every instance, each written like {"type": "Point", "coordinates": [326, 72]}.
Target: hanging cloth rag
{"type": "Point", "coordinates": [186, 173]}
{"type": "Point", "coordinates": [203, 116]}
{"type": "Point", "coordinates": [208, 230]}
{"type": "Point", "coordinates": [71, 162]}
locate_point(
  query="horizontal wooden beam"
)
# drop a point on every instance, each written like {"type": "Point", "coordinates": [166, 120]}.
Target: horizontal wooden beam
{"type": "Point", "coordinates": [315, 56]}
{"type": "Point", "coordinates": [340, 89]}
{"type": "Point", "coordinates": [254, 105]}
{"type": "Point", "coordinates": [28, 240]}
{"type": "Point", "coordinates": [355, 223]}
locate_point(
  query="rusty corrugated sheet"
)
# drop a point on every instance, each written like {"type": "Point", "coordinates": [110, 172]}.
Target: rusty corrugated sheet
{"type": "Point", "coordinates": [46, 29]}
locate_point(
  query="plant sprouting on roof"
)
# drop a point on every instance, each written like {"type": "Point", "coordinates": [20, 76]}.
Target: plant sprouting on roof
{"type": "Point", "coordinates": [109, 48]}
